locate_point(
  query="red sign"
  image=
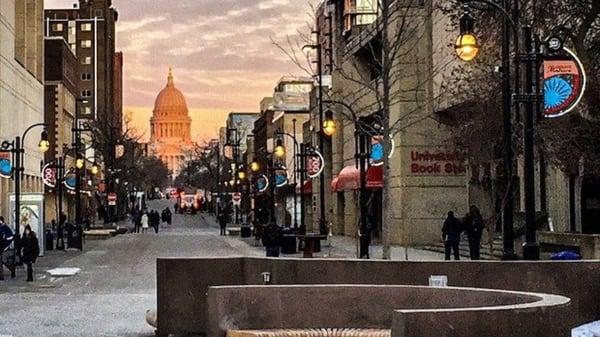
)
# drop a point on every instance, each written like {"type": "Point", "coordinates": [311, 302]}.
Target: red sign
{"type": "Point", "coordinates": [237, 196]}
{"type": "Point", "coordinates": [112, 199]}
{"type": "Point", "coordinates": [437, 163]}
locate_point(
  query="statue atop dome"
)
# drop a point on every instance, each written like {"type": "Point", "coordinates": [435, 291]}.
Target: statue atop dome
{"type": "Point", "coordinates": [170, 126]}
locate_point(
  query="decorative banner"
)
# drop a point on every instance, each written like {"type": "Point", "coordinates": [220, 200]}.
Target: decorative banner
{"type": "Point", "coordinates": [564, 85]}
{"type": "Point", "coordinates": [262, 183]}
{"type": "Point", "coordinates": [70, 180]}
{"type": "Point", "coordinates": [281, 176]}
{"type": "Point", "coordinates": [315, 164]}
{"type": "Point", "coordinates": [377, 146]}
{"type": "Point", "coordinates": [119, 151]}
{"type": "Point", "coordinates": [5, 165]}
{"type": "Point", "coordinates": [49, 175]}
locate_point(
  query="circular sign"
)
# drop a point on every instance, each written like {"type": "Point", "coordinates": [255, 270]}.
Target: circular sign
{"type": "Point", "coordinates": [564, 85]}
{"type": "Point", "coordinates": [70, 180]}
{"type": "Point", "coordinates": [5, 165]}
{"type": "Point", "coordinates": [262, 183]}
{"type": "Point", "coordinates": [49, 175]}
{"type": "Point", "coordinates": [377, 150]}
{"type": "Point", "coordinates": [237, 196]}
{"type": "Point", "coordinates": [281, 176]}
{"type": "Point", "coordinates": [315, 164]}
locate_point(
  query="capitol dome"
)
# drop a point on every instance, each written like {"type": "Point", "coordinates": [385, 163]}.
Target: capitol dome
{"type": "Point", "coordinates": [170, 101]}
{"type": "Point", "coordinates": [170, 127]}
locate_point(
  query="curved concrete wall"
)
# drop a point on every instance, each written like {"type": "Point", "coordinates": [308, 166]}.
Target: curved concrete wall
{"type": "Point", "coordinates": [372, 307]}
{"type": "Point", "coordinates": [183, 283]}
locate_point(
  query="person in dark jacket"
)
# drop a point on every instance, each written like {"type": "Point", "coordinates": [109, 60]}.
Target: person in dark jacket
{"type": "Point", "coordinates": [30, 250]}
{"type": "Point", "coordinates": [451, 235]}
{"type": "Point", "coordinates": [473, 223]}
{"type": "Point", "coordinates": [6, 238]}
{"type": "Point", "coordinates": [223, 220]}
{"type": "Point", "coordinates": [272, 239]}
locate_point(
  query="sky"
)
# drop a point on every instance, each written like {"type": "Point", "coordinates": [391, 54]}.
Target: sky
{"type": "Point", "coordinates": [221, 52]}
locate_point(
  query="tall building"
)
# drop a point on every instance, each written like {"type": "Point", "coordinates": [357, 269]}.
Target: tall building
{"type": "Point", "coordinates": [171, 127]}
{"type": "Point", "coordinates": [90, 30]}
{"type": "Point", "coordinates": [21, 87]}
{"type": "Point", "coordinates": [60, 92]}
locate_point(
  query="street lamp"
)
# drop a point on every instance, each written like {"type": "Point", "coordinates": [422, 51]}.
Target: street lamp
{"type": "Point", "coordinates": [254, 167]}
{"type": "Point", "coordinates": [44, 144]}
{"type": "Point", "coordinates": [467, 46]}
{"type": "Point", "coordinates": [329, 126]}
{"type": "Point", "coordinates": [279, 149]}
{"type": "Point", "coordinates": [95, 169]}
{"type": "Point", "coordinates": [79, 163]}
{"type": "Point", "coordinates": [241, 174]}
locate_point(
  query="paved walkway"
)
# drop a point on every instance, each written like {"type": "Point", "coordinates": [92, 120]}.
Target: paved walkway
{"type": "Point", "coordinates": [346, 247]}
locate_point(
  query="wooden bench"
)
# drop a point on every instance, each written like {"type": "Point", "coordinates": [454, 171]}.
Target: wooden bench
{"type": "Point", "coordinates": [234, 231]}
{"type": "Point", "coordinates": [310, 333]}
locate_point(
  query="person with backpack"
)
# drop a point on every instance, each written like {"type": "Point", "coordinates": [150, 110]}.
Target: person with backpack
{"type": "Point", "coordinates": [473, 223]}
{"type": "Point", "coordinates": [271, 239]}
{"type": "Point", "coordinates": [6, 238]}
{"type": "Point", "coordinates": [30, 250]}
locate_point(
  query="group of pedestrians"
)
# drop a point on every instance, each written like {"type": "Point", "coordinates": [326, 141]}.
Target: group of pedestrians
{"type": "Point", "coordinates": [29, 248]}
{"type": "Point", "coordinates": [144, 219]}
{"type": "Point", "coordinates": [472, 223]}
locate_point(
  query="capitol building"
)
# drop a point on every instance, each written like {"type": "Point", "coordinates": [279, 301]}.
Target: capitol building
{"type": "Point", "coordinates": [170, 127]}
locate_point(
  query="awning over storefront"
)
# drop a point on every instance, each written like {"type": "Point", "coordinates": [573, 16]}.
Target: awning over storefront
{"type": "Point", "coordinates": [349, 179]}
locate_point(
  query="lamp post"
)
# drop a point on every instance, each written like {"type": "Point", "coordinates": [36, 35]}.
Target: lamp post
{"type": "Point", "coordinates": [322, 122]}
{"type": "Point", "coordinates": [16, 148]}
{"type": "Point", "coordinates": [467, 48]}
{"type": "Point", "coordinates": [233, 140]}
{"type": "Point", "coordinates": [280, 152]}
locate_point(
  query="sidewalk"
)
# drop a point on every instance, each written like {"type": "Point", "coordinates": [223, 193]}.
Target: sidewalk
{"type": "Point", "coordinates": [342, 247]}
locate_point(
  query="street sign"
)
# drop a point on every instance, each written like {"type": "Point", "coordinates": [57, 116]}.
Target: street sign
{"type": "Point", "coordinates": [112, 199]}
{"type": "Point", "coordinates": [236, 198]}
{"type": "Point", "coordinates": [315, 164]}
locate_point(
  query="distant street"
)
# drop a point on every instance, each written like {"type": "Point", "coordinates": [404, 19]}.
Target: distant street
{"type": "Point", "coordinates": [115, 287]}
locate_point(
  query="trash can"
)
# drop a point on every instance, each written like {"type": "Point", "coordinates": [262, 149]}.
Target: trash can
{"type": "Point", "coordinates": [288, 242]}
{"type": "Point", "coordinates": [74, 236]}
{"type": "Point", "coordinates": [246, 231]}
{"type": "Point", "coordinates": [49, 240]}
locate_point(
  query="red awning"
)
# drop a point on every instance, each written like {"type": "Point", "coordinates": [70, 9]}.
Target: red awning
{"type": "Point", "coordinates": [306, 187]}
{"type": "Point", "coordinates": [349, 179]}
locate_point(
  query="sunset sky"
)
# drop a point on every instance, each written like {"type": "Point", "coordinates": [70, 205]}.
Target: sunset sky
{"type": "Point", "coordinates": [221, 53]}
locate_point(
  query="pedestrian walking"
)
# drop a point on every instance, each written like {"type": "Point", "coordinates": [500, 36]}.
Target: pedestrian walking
{"type": "Point", "coordinates": [155, 220]}
{"type": "Point", "coordinates": [272, 239]}
{"type": "Point", "coordinates": [451, 236]}
{"type": "Point", "coordinates": [30, 250]}
{"type": "Point", "coordinates": [474, 226]}
{"type": "Point", "coordinates": [6, 238]}
{"type": "Point", "coordinates": [169, 216]}
{"type": "Point", "coordinates": [144, 222]}
{"type": "Point", "coordinates": [223, 219]}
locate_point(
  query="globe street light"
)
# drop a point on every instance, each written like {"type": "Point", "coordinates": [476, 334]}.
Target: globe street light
{"type": "Point", "coordinates": [467, 46]}
{"type": "Point", "coordinates": [44, 144]}
{"type": "Point", "coordinates": [279, 149]}
{"type": "Point", "coordinates": [254, 167]}
{"type": "Point", "coordinates": [329, 126]}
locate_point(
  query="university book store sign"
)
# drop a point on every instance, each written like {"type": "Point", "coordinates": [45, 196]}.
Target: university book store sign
{"type": "Point", "coordinates": [564, 84]}
{"type": "Point", "coordinates": [437, 163]}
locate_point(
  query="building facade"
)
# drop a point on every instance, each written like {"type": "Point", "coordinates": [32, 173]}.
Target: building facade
{"type": "Point", "coordinates": [21, 87]}
{"type": "Point", "coordinates": [170, 127]}
{"type": "Point", "coordinates": [90, 30]}
{"type": "Point", "coordinates": [60, 92]}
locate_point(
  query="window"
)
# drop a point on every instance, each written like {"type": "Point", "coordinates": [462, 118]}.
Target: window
{"type": "Point", "coordinates": [86, 93]}
{"type": "Point", "coordinates": [86, 27]}
{"type": "Point", "coordinates": [98, 13]}
{"type": "Point", "coordinates": [86, 43]}
{"type": "Point", "coordinates": [359, 12]}
{"type": "Point", "coordinates": [87, 110]}
{"type": "Point", "coordinates": [86, 60]}
{"type": "Point", "coordinates": [57, 27]}
{"type": "Point", "coordinates": [86, 77]}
